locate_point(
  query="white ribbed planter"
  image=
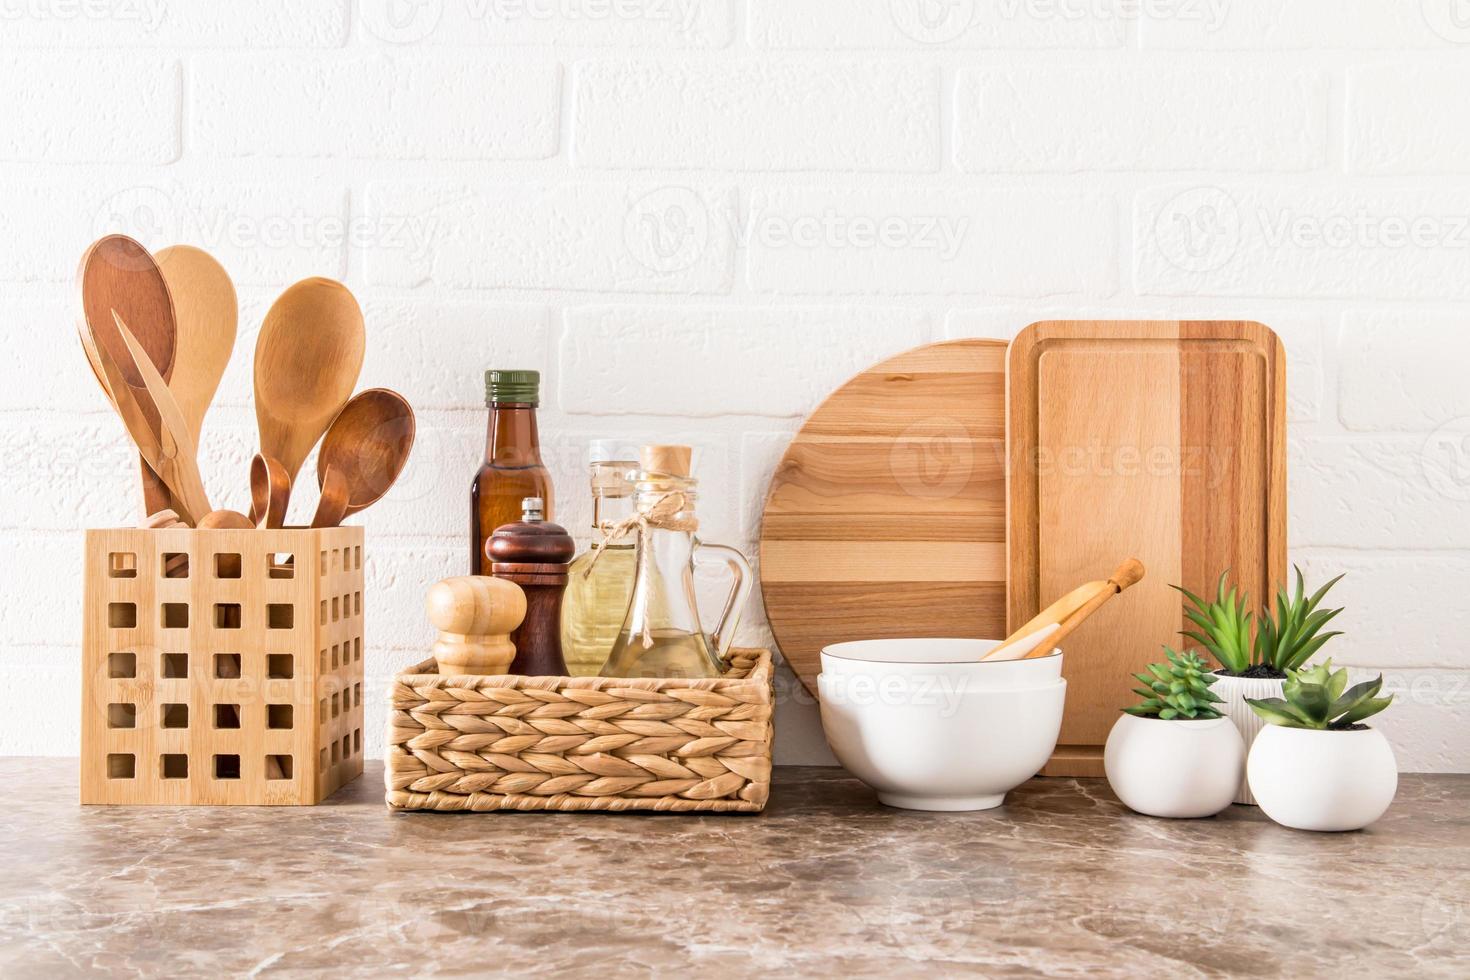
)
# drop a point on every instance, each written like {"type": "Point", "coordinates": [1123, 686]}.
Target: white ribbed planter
{"type": "Point", "coordinates": [1235, 690]}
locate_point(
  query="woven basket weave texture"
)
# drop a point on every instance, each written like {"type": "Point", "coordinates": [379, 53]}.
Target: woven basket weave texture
{"type": "Point", "coordinates": [586, 743]}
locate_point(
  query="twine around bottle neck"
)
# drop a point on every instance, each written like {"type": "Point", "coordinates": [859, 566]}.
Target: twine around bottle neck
{"type": "Point", "coordinates": [671, 511]}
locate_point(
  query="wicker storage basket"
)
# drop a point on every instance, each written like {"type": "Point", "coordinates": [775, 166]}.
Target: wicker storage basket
{"type": "Point", "coordinates": [584, 743]}
{"type": "Point", "coordinates": [221, 666]}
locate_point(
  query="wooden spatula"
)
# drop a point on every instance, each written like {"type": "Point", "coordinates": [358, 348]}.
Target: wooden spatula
{"type": "Point", "coordinates": [152, 418]}
{"type": "Point", "coordinates": [1065, 615]}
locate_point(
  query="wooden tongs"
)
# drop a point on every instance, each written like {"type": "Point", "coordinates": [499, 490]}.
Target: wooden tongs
{"type": "Point", "coordinates": [152, 417]}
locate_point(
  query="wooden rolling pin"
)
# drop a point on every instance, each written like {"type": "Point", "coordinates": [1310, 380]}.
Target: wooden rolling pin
{"type": "Point", "coordinates": [475, 615]}
{"type": "Point", "coordinates": [1047, 630]}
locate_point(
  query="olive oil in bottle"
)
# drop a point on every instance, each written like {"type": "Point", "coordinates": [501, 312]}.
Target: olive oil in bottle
{"type": "Point", "coordinates": [662, 635]}
{"type": "Point", "coordinates": [600, 580]}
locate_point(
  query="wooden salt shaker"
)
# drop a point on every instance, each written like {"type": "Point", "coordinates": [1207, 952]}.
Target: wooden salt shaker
{"type": "Point", "coordinates": [474, 615]}
{"type": "Point", "coordinates": [534, 553]}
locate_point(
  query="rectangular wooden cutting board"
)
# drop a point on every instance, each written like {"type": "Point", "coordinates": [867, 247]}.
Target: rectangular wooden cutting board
{"type": "Point", "coordinates": [1159, 440]}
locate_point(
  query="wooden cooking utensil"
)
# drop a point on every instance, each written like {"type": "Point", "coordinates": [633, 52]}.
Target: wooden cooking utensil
{"type": "Point", "coordinates": [205, 315]}
{"type": "Point", "coordinates": [886, 517]}
{"type": "Point", "coordinates": [307, 359]}
{"type": "Point", "coordinates": [368, 443]}
{"type": "Point", "coordinates": [1176, 431]}
{"type": "Point", "coordinates": [153, 420]}
{"type": "Point", "coordinates": [231, 520]}
{"type": "Point", "coordinates": [229, 565]}
{"type": "Point", "coordinates": [177, 564]}
{"type": "Point", "coordinates": [1057, 621]}
{"type": "Point", "coordinates": [118, 274]}
{"type": "Point", "coordinates": [332, 506]}
{"type": "Point", "coordinates": [270, 491]}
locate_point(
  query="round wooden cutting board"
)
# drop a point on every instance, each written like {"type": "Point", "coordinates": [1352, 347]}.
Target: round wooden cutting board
{"type": "Point", "coordinates": [887, 515]}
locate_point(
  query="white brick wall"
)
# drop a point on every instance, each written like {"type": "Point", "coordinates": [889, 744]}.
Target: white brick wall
{"type": "Point", "coordinates": [699, 216]}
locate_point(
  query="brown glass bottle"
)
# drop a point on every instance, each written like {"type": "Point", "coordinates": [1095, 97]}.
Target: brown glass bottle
{"type": "Point", "coordinates": [512, 470]}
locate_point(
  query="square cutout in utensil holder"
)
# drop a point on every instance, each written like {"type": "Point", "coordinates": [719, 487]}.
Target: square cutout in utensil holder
{"type": "Point", "coordinates": [204, 688]}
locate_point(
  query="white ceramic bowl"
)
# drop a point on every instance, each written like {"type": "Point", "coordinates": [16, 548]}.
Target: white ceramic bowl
{"type": "Point", "coordinates": [954, 662]}
{"type": "Point", "coordinates": [931, 728]}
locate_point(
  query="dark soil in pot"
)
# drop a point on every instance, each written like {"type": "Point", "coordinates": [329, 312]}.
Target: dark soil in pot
{"type": "Point", "coordinates": [1256, 672]}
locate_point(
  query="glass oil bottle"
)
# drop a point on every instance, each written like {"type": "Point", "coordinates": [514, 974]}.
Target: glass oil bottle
{"type": "Point", "coordinates": [661, 635]}
{"type": "Point", "coordinates": [512, 470]}
{"type": "Point", "coordinates": [600, 580]}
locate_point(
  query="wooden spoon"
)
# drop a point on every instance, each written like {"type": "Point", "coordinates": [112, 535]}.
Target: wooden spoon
{"type": "Point", "coordinates": [206, 314]}
{"type": "Point", "coordinates": [229, 565]}
{"type": "Point", "coordinates": [332, 506]}
{"type": "Point", "coordinates": [368, 443]}
{"type": "Point", "coordinates": [1060, 618]}
{"type": "Point", "coordinates": [231, 520]}
{"type": "Point", "coordinates": [270, 491]}
{"type": "Point", "coordinates": [307, 359]}
{"type": "Point", "coordinates": [118, 274]}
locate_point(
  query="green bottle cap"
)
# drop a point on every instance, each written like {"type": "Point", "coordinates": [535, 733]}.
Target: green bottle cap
{"type": "Point", "coordinates": [523, 387]}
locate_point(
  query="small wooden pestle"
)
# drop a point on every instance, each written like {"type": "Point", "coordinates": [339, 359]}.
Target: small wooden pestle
{"type": "Point", "coordinates": [474, 615]}
{"type": "Point", "coordinates": [1046, 631]}
{"type": "Point", "coordinates": [534, 553]}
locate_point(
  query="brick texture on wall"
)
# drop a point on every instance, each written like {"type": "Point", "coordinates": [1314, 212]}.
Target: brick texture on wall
{"type": "Point", "coordinates": [697, 217]}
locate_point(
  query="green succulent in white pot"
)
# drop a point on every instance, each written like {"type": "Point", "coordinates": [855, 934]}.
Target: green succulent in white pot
{"type": "Point", "coordinates": [1174, 754]}
{"type": "Point", "coordinates": [1318, 765]}
{"type": "Point", "coordinates": [1256, 654]}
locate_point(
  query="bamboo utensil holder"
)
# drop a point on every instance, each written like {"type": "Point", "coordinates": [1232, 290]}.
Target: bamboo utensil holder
{"type": "Point", "coordinates": [582, 743]}
{"type": "Point", "coordinates": [232, 676]}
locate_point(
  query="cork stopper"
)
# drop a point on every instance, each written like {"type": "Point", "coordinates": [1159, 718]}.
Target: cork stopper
{"type": "Point", "coordinates": [668, 460]}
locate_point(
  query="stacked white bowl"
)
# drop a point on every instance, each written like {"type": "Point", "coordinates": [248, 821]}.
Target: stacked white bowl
{"type": "Point", "coordinates": [931, 727]}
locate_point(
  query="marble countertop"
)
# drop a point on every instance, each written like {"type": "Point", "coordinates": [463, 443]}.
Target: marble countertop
{"type": "Point", "coordinates": [1062, 880]}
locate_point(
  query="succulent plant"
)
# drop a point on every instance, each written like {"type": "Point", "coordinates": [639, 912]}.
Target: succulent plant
{"type": "Point", "coordinates": [1179, 689]}
{"type": "Point", "coordinates": [1285, 638]}
{"type": "Point", "coordinates": [1319, 698]}
{"type": "Point", "coordinates": [1290, 638]}
{"type": "Point", "coordinates": [1225, 624]}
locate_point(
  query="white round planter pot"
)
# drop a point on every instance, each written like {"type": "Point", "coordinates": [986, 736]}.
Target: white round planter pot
{"type": "Point", "coordinates": [1177, 769]}
{"type": "Point", "coordinates": [1329, 781]}
{"type": "Point", "coordinates": [1234, 690]}
{"type": "Point", "coordinates": [930, 728]}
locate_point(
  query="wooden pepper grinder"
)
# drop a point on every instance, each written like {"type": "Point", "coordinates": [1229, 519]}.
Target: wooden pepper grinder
{"type": "Point", "coordinates": [474, 615]}
{"type": "Point", "coordinates": [534, 553]}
